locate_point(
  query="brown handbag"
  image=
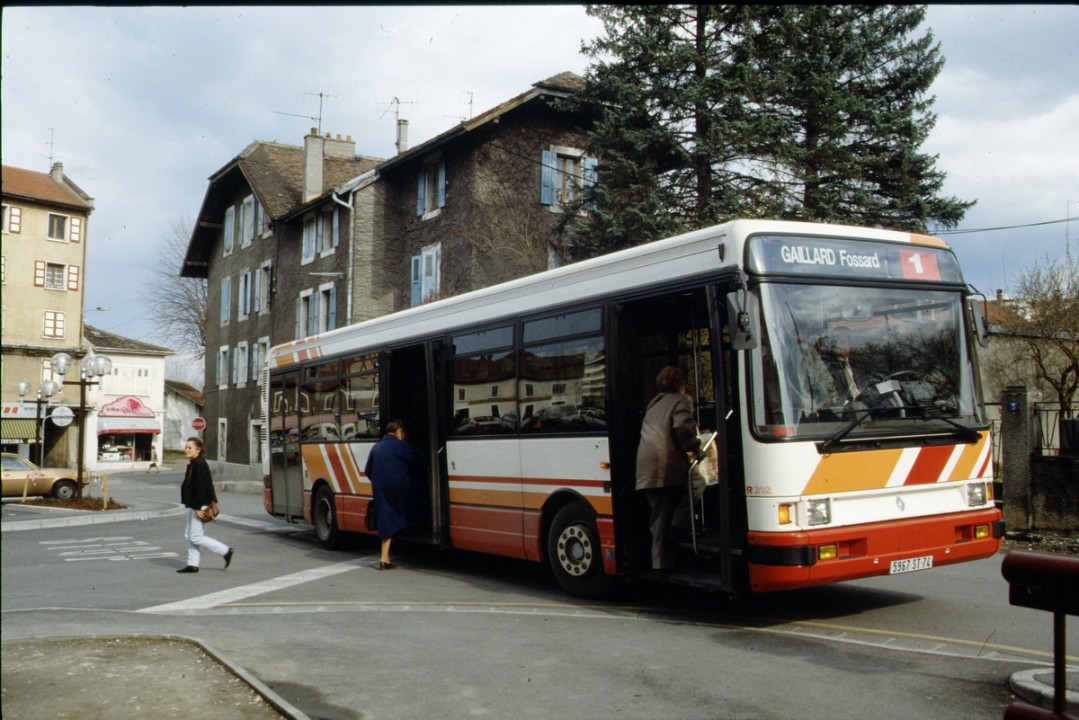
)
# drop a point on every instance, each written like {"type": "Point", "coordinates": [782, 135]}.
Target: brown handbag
{"type": "Point", "coordinates": [208, 513]}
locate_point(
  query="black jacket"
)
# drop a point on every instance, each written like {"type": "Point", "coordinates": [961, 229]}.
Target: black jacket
{"type": "Point", "coordinates": [198, 487]}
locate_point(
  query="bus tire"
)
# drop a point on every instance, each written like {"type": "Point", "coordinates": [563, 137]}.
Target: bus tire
{"type": "Point", "coordinates": [575, 553]}
{"type": "Point", "coordinates": [324, 515]}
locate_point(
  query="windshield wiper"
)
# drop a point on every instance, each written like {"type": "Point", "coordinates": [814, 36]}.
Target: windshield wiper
{"type": "Point", "coordinates": [846, 429]}
{"type": "Point", "coordinates": [966, 431]}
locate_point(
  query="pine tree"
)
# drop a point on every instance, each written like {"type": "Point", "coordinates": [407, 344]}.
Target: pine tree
{"type": "Point", "coordinates": [709, 112]}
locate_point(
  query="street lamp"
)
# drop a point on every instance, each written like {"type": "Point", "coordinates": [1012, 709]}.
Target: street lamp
{"type": "Point", "coordinates": [47, 390]}
{"type": "Point", "coordinates": [91, 367]}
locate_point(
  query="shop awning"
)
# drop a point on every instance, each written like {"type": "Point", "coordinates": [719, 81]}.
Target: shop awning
{"type": "Point", "coordinates": [17, 430]}
{"type": "Point", "coordinates": [127, 426]}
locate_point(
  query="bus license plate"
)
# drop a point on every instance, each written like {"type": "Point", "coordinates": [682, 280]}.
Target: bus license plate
{"type": "Point", "coordinates": [912, 564]}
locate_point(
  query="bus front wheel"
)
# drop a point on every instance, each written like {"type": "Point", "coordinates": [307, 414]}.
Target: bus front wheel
{"type": "Point", "coordinates": [325, 517]}
{"type": "Point", "coordinates": [575, 554]}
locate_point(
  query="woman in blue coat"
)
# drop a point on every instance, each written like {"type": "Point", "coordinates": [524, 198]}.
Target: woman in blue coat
{"type": "Point", "coordinates": [388, 470]}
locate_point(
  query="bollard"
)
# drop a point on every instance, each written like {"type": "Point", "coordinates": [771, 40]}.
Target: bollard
{"type": "Point", "coordinates": [1050, 583]}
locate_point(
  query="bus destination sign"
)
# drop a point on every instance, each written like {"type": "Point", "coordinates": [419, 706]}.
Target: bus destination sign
{"type": "Point", "coordinates": [791, 255]}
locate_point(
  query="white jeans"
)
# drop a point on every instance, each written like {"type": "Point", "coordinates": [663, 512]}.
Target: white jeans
{"type": "Point", "coordinates": [196, 537]}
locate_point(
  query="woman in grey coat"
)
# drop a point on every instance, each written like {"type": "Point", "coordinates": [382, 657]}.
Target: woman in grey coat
{"type": "Point", "coordinates": [668, 436]}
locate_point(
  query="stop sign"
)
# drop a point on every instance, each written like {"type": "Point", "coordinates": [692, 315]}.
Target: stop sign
{"type": "Point", "coordinates": [199, 424]}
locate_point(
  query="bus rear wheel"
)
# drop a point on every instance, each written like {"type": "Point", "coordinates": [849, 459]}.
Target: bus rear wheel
{"type": "Point", "coordinates": [325, 517]}
{"type": "Point", "coordinates": [575, 553]}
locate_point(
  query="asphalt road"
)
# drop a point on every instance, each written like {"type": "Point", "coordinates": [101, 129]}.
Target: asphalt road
{"type": "Point", "coordinates": [457, 635]}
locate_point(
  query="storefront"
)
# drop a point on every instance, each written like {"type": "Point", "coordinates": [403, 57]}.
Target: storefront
{"type": "Point", "coordinates": [128, 435]}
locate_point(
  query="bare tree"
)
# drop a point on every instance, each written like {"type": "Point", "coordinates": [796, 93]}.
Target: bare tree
{"type": "Point", "coordinates": [1047, 328]}
{"type": "Point", "coordinates": [178, 304]}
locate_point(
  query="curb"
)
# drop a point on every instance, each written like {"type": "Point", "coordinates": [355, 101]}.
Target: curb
{"type": "Point", "coordinates": [90, 518]}
{"type": "Point", "coordinates": [1036, 687]}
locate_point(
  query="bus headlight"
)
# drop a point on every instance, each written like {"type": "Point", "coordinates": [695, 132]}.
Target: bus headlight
{"type": "Point", "coordinates": [976, 494]}
{"type": "Point", "coordinates": [819, 511]}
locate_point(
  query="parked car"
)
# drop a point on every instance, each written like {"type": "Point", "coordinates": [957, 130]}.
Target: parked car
{"type": "Point", "coordinates": [20, 474]}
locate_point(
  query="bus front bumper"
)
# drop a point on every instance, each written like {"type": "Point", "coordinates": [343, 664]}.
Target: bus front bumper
{"type": "Point", "coordinates": [786, 561]}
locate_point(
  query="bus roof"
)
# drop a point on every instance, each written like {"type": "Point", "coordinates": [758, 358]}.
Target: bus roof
{"type": "Point", "coordinates": [671, 259]}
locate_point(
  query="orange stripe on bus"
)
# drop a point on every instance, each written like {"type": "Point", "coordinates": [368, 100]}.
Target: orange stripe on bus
{"type": "Point", "coordinates": [844, 472]}
{"type": "Point", "coordinates": [496, 498]}
{"type": "Point", "coordinates": [929, 465]}
{"type": "Point", "coordinates": [964, 469]}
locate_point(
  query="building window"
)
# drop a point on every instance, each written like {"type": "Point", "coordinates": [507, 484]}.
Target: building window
{"type": "Point", "coordinates": [261, 301]}
{"type": "Point", "coordinates": [240, 368]}
{"type": "Point", "coordinates": [55, 276]}
{"type": "Point", "coordinates": [426, 274]}
{"type": "Point", "coordinates": [228, 230]}
{"type": "Point", "coordinates": [226, 291]}
{"type": "Point", "coordinates": [223, 367]}
{"type": "Point", "coordinates": [306, 314]}
{"type": "Point", "coordinates": [564, 174]}
{"type": "Point", "coordinates": [431, 188]}
{"type": "Point", "coordinates": [243, 300]}
{"type": "Point", "coordinates": [247, 221]}
{"type": "Point", "coordinates": [222, 435]}
{"type": "Point", "coordinates": [54, 324]}
{"type": "Point", "coordinates": [57, 227]}
{"type": "Point", "coordinates": [327, 308]}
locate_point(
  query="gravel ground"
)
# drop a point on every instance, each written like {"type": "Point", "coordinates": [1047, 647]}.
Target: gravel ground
{"type": "Point", "coordinates": [1051, 544]}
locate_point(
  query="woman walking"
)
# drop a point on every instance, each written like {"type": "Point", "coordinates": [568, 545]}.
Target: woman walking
{"type": "Point", "coordinates": [197, 493]}
{"type": "Point", "coordinates": [388, 470]}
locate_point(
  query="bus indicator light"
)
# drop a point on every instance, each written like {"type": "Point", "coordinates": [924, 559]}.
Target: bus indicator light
{"type": "Point", "coordinates": [784, 514]}
{"type": "Point", "coordinates": [827, 552]}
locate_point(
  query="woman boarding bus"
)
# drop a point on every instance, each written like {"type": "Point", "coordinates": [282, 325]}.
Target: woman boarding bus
{"type": "Point", "coordinates": [834, 364]}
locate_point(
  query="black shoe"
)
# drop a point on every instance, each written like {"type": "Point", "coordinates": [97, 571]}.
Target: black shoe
{"type": "Point", "coordinates": [228, 558]}
{"type": "Point", "coordinates": [188, 569]}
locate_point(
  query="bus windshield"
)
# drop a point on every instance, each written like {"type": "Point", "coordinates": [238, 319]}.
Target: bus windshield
{"type": "Point", "coordinates": [861, 362]}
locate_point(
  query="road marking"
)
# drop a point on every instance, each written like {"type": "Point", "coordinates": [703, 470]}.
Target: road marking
{"type": "Point", "coordinates": [205, 602]}
{"type": "Point", "coordinates": [117, 548]}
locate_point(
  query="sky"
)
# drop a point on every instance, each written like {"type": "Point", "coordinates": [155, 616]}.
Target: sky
{"type": "Point", "coordinates": [142, 105]}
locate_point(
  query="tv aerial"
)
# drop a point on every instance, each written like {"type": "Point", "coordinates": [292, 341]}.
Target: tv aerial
{"type": "Point", "coordinates": [313, 118]}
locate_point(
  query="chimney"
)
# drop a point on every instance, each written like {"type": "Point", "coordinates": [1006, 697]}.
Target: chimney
{"type": "Point", "coordinates": [57, 172]}
{"type": "Point", "coordinates": [336, 147]}
{"type": "Point", "coordinates": [402, 136]}
{"type": "Point", "coordinates": [313, 148]}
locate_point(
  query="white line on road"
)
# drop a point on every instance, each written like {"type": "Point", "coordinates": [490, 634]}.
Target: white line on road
{"type": "Point", "coordinates": [205, 602]}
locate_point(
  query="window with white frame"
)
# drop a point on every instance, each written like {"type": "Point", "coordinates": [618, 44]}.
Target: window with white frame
{"type": "Point", "coordinates": [54, 324]}
{"type": "Point", "coordinates": [243, 298]}
{"type": "Point", "coordinates": [326, 239]}
{"type": "Point", "coordinates": [223, 367]}
{"type": "Point", "coordinates": [260, 219]}
{"type": "Point", "coordinates": [306, 314]}
{"type": "Point", "coordinates": [564, 174]}
{"type": "Point", "coordinates": [57, 227]}
{"type": "Point", "coordinates": [431, 187]}
{"type": "Point", "coordinates": [261, 300]}
{"type": "Point", "coordinates": [261, 352]}
{"type": "Point", "coordinates": [3, 269]}
{"type": "Point", "coordinates": [247, 221]}
{"type": "Point", "coordinates": [228, 229]}
{"type": "Point", "coordinates": [226, 293]}
{"type": "Point", "coordinates": [327, 307]}
{"type": "Point", "coordinates": [55, 276]}
{"type": "Point", "coordinates": [240, 364]}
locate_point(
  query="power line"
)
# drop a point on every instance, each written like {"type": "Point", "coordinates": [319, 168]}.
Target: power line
{"type": "Point", "coordinates": [1005, 227]}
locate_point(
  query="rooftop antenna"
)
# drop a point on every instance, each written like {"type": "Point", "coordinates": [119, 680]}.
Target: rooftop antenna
{"type": "Point", "coordinates": [396, 104]}
{"type": "Point", "coordinates": [52, 155]}
{"type": "Point", "coordinates": [471, 96]}
{"type": "Point", "coordinates": [313, 118]}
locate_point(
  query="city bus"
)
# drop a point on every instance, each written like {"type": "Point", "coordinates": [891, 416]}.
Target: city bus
{"type": "Point", "coordinates": [525, 402]}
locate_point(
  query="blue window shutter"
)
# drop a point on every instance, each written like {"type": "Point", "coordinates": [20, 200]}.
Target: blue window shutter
{"type": "Point", "coordinates": [331, 320]}
{"type": "Point", "coordinates": [336, 227]}
{"type": "Point", "coordinates": [299, 324]}
{"type": "Point", "coordinates": [417, 280]}
{"type": "Point", "coordinates": [547, 177]}
{"type": "Point", "coordinates": [256, 303]}
{"type": "Point", "coordinates": [420, 200]}
{"type": "Point", "coordinates": [442, 182]}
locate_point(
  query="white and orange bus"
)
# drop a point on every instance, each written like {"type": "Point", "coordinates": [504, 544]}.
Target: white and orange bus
{"type": "Point", "coordinates": [834, 364]}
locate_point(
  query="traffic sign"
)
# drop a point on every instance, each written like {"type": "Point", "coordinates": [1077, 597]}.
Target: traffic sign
{"type": "Point", "coordinates": [199, 424]}
{"type": "Point", "coordinates": [62, 416]}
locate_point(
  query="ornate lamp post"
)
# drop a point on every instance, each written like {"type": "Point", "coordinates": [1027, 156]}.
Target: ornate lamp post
{"type": "Point", "coordinates": [91, 367]}
{"type": "Point", "coordinates": [47, 390]}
